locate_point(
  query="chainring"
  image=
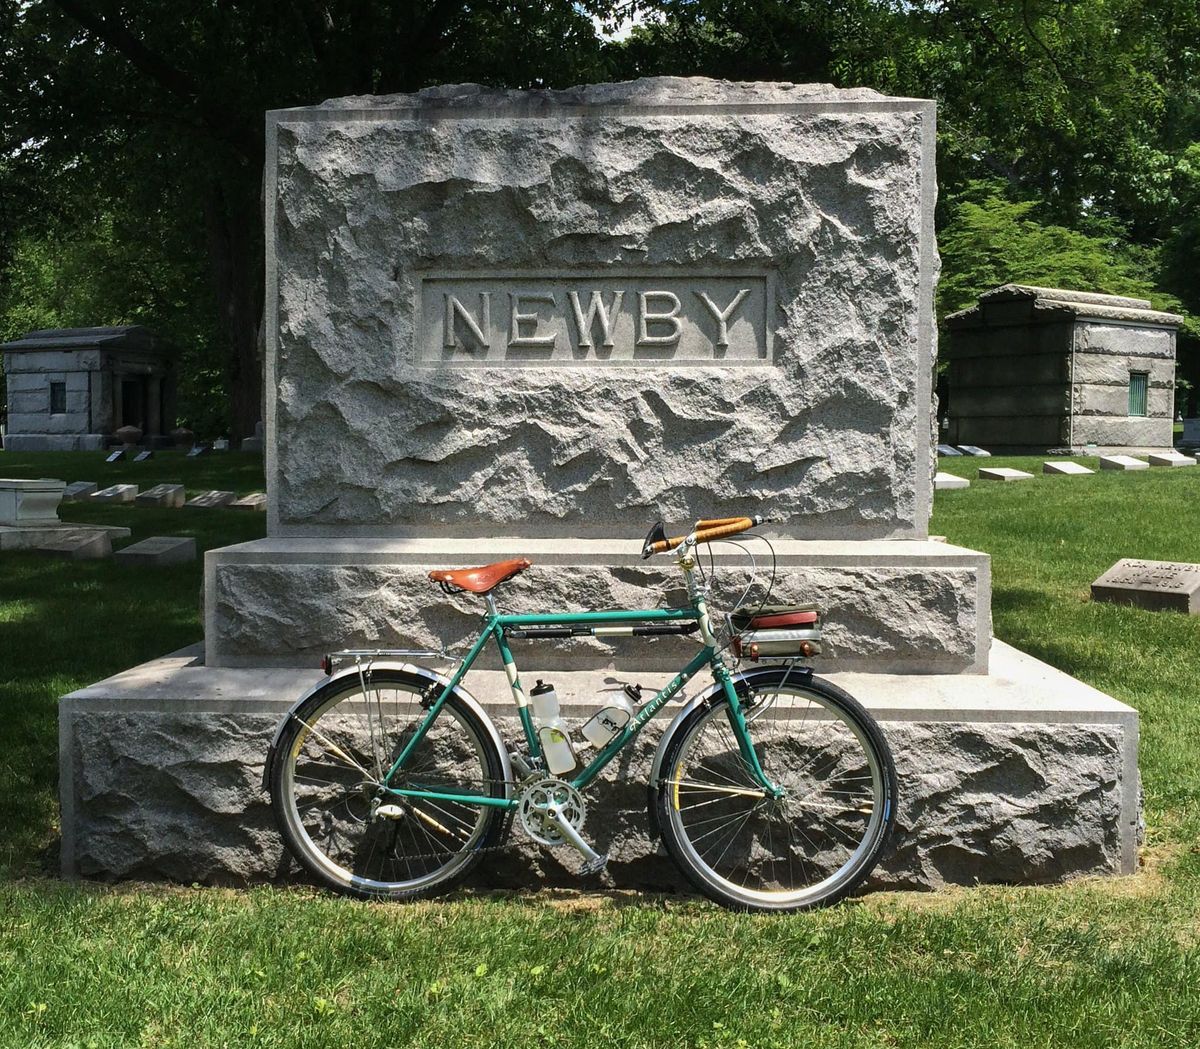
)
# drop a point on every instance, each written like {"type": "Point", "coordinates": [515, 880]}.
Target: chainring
{"type": "Point", "coordinates": [537, 797]}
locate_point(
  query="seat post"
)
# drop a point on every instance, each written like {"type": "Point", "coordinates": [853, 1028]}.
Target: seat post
{"type": "Point", "coordinates": [491, 604]}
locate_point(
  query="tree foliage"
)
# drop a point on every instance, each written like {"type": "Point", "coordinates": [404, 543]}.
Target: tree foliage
{"type": "Point", "coordinates": [131, 132]}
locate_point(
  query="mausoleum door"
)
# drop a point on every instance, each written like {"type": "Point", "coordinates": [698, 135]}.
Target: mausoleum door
{"type": "Point", "coordinates": [132, 405]}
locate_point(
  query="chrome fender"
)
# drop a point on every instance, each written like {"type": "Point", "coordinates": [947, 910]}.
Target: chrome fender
{"type": "Point", "coordinates": [411, 670]}
{"type": "Point", "coordinates": [742, 683]}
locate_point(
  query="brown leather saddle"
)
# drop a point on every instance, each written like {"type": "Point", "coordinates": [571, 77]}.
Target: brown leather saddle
{"type": "Point", "coordinates": [479, 580]}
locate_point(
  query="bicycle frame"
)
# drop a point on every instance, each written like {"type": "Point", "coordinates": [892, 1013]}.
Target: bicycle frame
{"type": "Point", "coordinates": [608, 623]}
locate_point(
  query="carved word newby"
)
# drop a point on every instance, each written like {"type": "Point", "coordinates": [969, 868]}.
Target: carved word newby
{"type": "Point", "coordinates": [532, 320]}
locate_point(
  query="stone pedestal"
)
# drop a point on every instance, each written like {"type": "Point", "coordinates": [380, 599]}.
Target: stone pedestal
{"type": "Point", "coordinates": [901, 606]}
{"type": "Point", "coordinates": [30, 503]}
{"type": "Point", "coordinates": [1019, 775]}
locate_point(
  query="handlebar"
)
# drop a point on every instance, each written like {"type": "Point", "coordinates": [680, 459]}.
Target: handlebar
{"type": "Point", "coordinates": [705, 531]}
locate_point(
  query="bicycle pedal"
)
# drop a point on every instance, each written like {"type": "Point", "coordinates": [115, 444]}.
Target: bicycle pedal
{"type": "Point", "coordinates": [594, 866]}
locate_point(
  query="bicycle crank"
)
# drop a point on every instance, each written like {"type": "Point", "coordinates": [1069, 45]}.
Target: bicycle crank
{"type": "Point", "coordinates": [552, 813]}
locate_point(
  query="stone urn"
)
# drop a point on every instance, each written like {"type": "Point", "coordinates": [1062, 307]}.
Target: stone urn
{"type": "Point", "coordinates": [129, 436]}
{"type": "Point", "coordinates": [183, 437]}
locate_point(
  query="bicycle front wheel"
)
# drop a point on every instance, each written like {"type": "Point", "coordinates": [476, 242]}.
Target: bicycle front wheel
{"type": "Point", "coordinates": [810, 847]}
{"type": "Point", "coordinates": [339, 820]}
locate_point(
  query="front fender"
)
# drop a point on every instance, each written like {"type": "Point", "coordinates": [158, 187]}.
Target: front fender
{"type": "Point", "coordinates": [421, 675]}
{"type": "Point", "coordinates": [742, 684]}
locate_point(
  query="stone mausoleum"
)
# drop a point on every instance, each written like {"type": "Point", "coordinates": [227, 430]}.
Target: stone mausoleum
{"type": "Point", "coordinates": [1032, 369]}
{"type": "Point", "coordinates": [529, 324]}
{"type": "Point", "coordinates": [70, 389]}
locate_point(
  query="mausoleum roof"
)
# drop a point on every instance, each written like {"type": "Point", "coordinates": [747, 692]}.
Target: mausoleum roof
{"type": "Point", "coordinates": [1054, 303]}
{"type": "Point", "coordinates": [124, 336]}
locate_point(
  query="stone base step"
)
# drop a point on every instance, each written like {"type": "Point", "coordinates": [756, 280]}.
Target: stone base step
{"type": "Point", "coordinates": [902, 606]}
{"type": "Point", "coordinates": [1022, 775]}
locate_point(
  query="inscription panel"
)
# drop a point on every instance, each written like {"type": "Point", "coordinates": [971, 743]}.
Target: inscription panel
{"type": "Point", "coordinates": [535, 319]}
{"type": "Point", "coordinates": [1171, 585]}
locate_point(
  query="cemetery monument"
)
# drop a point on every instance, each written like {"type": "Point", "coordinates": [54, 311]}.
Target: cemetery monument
{"type": "Point", "coordinates": [528, 324]}
{"type": "Point", "coordinates": [1033, 369]}
{"type": "Point", "coordinates": [71, 389]}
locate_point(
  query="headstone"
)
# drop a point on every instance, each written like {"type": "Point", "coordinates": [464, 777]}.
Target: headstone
{"type": "Point", "coordinates": [1156, 585]}
{"type": "Point", "coordinates": [1122, 462]}
{"type": "Point", "coordinates": [115, 457]}
{"type": "Point", "coordinates": [142, 457]}
{"type": "Point", "coordinates": [30, 503]}
{"type": "Point", "coordinates": [221, 444]}
{"type": "Point", "coordinates": [158, 550]}
{"type": "Point", "coordinates": [945, 480]}
{"type": "Point", "coordinates": [198, 450]}
{"type": "Point", "coordinates": [78, 545]}
{"type": "Point", "coordinates": [79, 490]}
{"type": "Point", "coordinates": [1064, 466]}
{"type": "Point", "coordinates": [971, 449]}
{"type": "Point", "coordinates": [183, 437]}
{"type": "Point", "coordinates": [117, 493]}
{"type": "Point", "coordinates": [255, 443]}
{"type": "Point", "coordinates": [947, 449]}
{"type": "Point", "coordinates": [1170, 459]}
{"type": "Point", "coordinates": [212, 499]}
{"type": "Point", "coordinates": [1191, 431]}
{"type": "Point", "coordinates": [1002, 473]}
{"type": "Point", "coordinates": [253, 501]}
{"type": "Point", "coordinates": [167, 495]}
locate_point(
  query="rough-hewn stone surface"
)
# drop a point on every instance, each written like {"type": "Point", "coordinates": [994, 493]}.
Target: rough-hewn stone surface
{"type": "Point", "coordinates": [178, 795]}
{"type": "Point", "coordinates": [824, 195]}
{"type": "Point", "coordinates": [921, 619]}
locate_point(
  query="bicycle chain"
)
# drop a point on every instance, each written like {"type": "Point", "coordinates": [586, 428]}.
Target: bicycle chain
{"type": "Point", "coordinates": [509, 844]}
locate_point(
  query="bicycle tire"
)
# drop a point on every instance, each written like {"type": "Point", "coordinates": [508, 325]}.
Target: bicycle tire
{"type": "Point", "coordinates": [436, 843]}
{"type": "Point", "coordinates": [746, 831]}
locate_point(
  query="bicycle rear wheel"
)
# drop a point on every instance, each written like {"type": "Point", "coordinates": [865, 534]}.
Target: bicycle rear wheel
{"type": "Point", "coordinates": [813, 846]}
{"type": "Point", "coordinates": [344, 827]}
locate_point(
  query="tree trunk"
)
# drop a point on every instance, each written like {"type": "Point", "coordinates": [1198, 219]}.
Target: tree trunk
{"type": "Point", "coordinates": [236, 259]}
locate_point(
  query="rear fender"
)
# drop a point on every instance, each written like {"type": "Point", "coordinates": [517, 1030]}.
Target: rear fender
{"type": "Point", "coordinates": [423, 677]}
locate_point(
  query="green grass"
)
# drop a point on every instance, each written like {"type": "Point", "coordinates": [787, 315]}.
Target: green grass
{"type": "Point", "coordinates": [1097, 963]}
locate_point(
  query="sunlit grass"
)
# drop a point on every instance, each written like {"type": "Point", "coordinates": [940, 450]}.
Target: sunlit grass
{"type": "Point", "coordinates": [1096, 963]}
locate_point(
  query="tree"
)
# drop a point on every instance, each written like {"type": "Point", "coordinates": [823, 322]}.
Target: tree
{"type": "Point", "coordinates": [171, 95]}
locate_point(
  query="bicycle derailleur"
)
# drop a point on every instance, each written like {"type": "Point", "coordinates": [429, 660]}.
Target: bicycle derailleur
{"type": "Point", "coordinates": [552, 813]}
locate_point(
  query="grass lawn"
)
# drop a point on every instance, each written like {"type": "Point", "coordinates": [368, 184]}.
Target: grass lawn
{"type": "Point", "coordinates": [1092, 964]}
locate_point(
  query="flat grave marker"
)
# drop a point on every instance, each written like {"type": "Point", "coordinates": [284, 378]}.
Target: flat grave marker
{"type": "Point", "coordinates": [198, 450]}
{"type": "Point", "coordinates": [167, 495]}
{"type": "Point", "coordinates": [116, 457]}
{"type": "Point", "coordinates": [1122, 462]}
{"type": "Point", "coordinates": [972, 449]}
{"type": "Point", "coordinates": [79, 490]}
{"type": "Point", "coordinates": [159, 550]}
{"type": "Point", "coordinates": [947, 449]}
{"type": "Point", "coordinates": [209, 500]}
{"type": "Point", "coordinates": [945, 480]}
{"type": "Point", "coordinates": [1172, 586]}
{"type": "Point", "coordinates": [1170, 459]}
{"type": "Point", "coordinates": [1002, 473]}
{"type": "Point", "coordinates": [1066, 467]}
{"type": "Point", "coordinates": [253, 501]}
{"type": "Point", "coordinates": [116, 493]}
{"type": "Point", "coordinates": [78, 545]}
{"type": "Point", "coordinates": [142, 457]}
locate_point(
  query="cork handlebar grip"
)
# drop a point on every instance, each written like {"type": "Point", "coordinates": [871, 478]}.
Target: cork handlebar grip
{"type": "Point", "coordinates": [708, 530]}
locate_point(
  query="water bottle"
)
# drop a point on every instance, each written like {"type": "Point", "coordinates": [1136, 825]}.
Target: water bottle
{"type": "Point", "coordinates": [605, 725]}
{"type": "Point", "coordinates": [552, 732]}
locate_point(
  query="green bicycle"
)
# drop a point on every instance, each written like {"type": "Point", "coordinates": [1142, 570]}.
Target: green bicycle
{"type": "Point", "coordinates": [771, 789]}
